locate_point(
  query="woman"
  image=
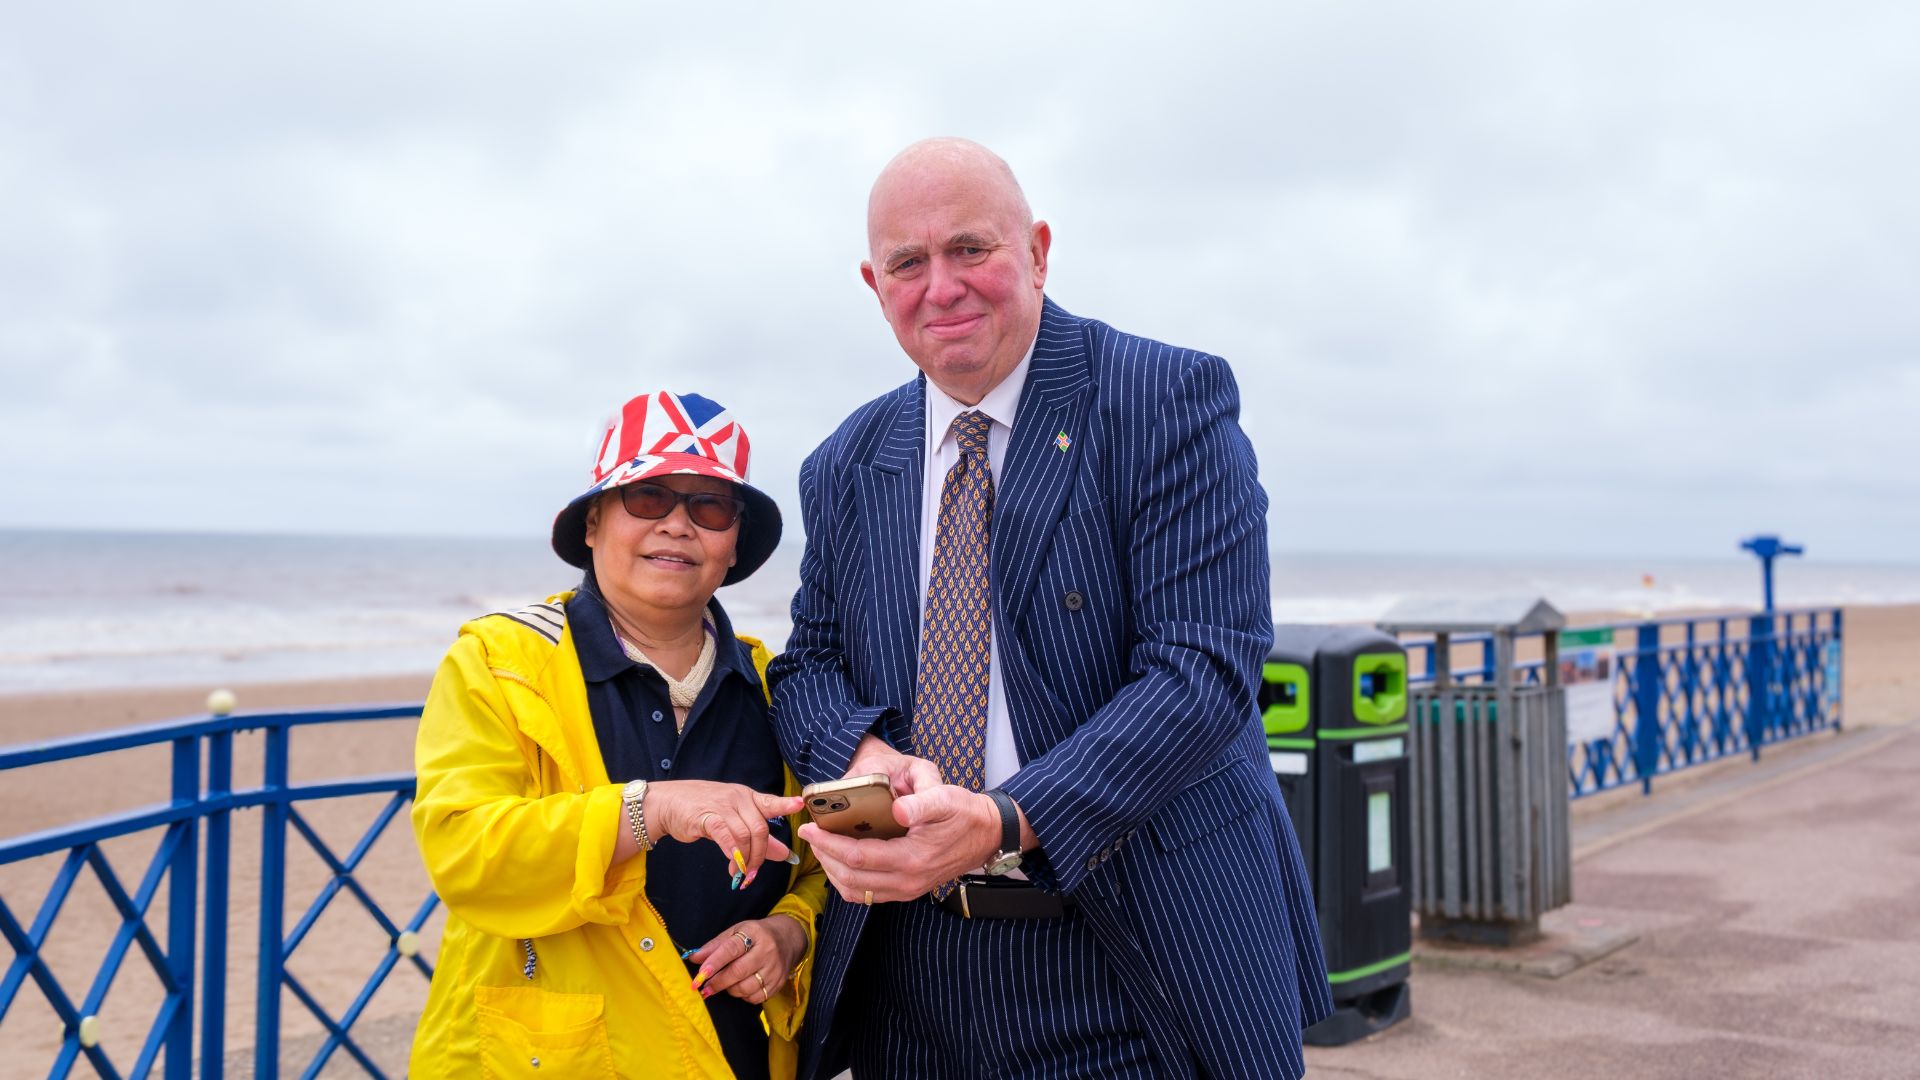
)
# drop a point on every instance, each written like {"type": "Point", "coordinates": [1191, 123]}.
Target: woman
{"type": "Point", "coordinates": [620, 891]}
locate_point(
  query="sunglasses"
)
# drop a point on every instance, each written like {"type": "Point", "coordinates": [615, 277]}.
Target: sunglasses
{"type": "Point", "coordinates": [715, 513]}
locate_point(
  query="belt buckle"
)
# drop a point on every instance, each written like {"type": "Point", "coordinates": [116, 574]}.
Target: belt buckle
{"type": "Point", "coordinates": [966, 912]}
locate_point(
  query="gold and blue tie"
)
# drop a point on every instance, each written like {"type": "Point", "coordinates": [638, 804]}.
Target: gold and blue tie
{"type": "Point", "coordinates": [950, 695]}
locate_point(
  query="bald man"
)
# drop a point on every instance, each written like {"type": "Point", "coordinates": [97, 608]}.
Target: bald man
{"type": "Point", "coordinates": [1035, 597]}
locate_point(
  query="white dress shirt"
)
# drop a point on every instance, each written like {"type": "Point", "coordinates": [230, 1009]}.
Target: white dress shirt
{"type": "Point", "coordinates": [943, 452]}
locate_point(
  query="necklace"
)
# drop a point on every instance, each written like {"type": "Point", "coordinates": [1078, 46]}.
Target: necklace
{"type": "Point", "coordinates": [681, 692]}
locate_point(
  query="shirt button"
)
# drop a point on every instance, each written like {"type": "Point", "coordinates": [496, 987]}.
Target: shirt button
{"type": "Point", "coordinates": [535, 1062]}
{"type": "Point", "coordinates": [658, 716]}
{"type": "Point", "coordinates": [666, 763]}
{"type": "Point", "coordinates": [1074, 601]}
{"type": "Point", "coordinates": [646, 944]}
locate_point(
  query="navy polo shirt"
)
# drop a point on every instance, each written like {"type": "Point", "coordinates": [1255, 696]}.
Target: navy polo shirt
{"type": "Point", "coordinates": [727, 738]}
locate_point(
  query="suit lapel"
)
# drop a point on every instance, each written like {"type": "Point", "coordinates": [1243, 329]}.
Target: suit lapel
{"type": "Point", "coordinates": [888, 495]}
{"type": "Point", "coordinates": [1043, 456]}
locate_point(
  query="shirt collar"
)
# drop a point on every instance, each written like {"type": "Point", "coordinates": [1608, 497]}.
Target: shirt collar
{"type": "Point", "coordinates": [1000, 404]}
{"type": "Point", "coordinates": [602, 658]}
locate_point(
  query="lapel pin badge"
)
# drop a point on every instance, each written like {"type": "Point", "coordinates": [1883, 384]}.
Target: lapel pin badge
{"type": "Point", "coordinates": [1062, 442]}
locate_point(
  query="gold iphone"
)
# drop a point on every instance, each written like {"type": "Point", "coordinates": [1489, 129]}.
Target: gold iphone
{"type": "Point", "coordinates": [859, 806]}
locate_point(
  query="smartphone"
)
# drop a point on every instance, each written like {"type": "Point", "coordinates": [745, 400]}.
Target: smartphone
{"type": "Point", "coordinates": [859, 806]}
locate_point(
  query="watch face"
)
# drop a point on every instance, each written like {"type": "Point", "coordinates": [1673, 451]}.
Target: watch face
{"type": "Point", "coordinates": [1003, 862]}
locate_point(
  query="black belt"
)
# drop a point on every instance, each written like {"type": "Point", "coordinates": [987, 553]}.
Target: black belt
{"type": "Point", "coordinates": [1002, 898]}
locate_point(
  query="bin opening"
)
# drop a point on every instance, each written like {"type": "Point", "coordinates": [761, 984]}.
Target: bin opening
{"type": "Point", "coordinates": [1380, 688]}
{"type": "Point", "coordinates": [1284, 699]}
{"type": "Point", "coordinates": [1379, 685]}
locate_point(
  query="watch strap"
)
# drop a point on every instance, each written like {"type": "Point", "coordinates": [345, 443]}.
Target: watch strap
{"type": "Point", "coordinates": [1009, 822]}
{"type": "Point", "coordinates": [634, 795]}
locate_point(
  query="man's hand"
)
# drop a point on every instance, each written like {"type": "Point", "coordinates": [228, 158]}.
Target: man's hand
{"type": "Point", "coordinates": [950, 831]}
{"type": "Point", "coordinates": [906, 774]}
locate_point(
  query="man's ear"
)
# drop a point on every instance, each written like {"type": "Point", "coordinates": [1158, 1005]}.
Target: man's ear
{"type": "Point", "coordinates": [1039, 245]}
{"type": "Point", "coordinates": [867, 275]}
{"type": "Point", "coordinates": [593, 520]}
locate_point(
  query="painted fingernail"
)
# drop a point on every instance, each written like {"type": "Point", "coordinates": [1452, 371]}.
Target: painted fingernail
{"type": "Point", "coordinates": [741, 859]}
{"type": "Point", "coordinates": [738, 877]}
{"type": "Point", "coordinates": [688, 953]}
{"type": "Point", "coordinates": [700, 978]}
{"type": "Point", "coordinates": [750, 877]}
{"type": "Point", "coordinates": [793, 859]}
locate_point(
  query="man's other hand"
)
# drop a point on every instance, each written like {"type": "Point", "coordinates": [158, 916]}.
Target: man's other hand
{"type": "Point", "coordinates": [906, 774]}
{"type": "Point", "coordinates": [950, 831]}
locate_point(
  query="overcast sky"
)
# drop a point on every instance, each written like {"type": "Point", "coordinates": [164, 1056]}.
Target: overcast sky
{"type": "Point", "coordinates": [1560, 278]}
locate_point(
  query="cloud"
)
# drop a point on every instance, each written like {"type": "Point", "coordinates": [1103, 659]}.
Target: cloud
{"type": "Point", "coordinates": [1570, 278]}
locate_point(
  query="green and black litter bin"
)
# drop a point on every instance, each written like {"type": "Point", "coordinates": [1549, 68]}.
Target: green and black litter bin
{"type": "Point", "coordinates": [1334, 703]}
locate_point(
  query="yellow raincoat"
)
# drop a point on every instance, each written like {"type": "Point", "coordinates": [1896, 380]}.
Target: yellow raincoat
{"type": "Point", "coordinates": [517, 821]}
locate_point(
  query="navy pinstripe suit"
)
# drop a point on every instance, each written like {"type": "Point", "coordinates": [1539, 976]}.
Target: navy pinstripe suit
{"type": "Point", "coordinates": [1144, 771]}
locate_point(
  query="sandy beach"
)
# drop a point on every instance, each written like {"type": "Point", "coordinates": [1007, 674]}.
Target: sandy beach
{"type": "Point", "coordinates": [1881, 687]}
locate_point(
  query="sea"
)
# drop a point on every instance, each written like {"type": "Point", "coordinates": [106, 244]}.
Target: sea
{"type": "Point", "coordinates": [99, 610]}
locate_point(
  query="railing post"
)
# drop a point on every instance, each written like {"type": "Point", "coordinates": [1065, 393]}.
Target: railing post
{"type": "Point", "coordinates": [273, 872]}
{"type": "Point", "coordinates": [1759, 681]}
{"type": "Point", "coordinates": [182, 910]}
{"type": "Point", "coordinates": [1798, 655]}
{"type": "Point", "coordinates": [213, 997]}
{"type": "Point", "coordinates": [1690, 680]}
{"type": "Point", "coordinates": [1839, 671]}
{"type": "Point", "coordinates": [1646, 705]}
{"type": "Point", "coordinates": [1723, 681]}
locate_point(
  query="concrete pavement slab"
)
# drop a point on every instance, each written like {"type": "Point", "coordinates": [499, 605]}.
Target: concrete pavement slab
{"type": "Point", "coordinates": [1570, 938]}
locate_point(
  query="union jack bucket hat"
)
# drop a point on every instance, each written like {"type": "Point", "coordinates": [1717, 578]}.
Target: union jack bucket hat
{"type": "Point", "coordinates": [663, 434]}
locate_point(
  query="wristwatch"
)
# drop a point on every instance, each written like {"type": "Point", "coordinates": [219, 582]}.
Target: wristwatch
{"type": "Point", "coordinates": [1008, 856]}
{"type": "Point", "coordinates": [634, 797]}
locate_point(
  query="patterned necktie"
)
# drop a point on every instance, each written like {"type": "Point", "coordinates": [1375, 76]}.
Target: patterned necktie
{"type": "Point", "coordinates": [950, 697]}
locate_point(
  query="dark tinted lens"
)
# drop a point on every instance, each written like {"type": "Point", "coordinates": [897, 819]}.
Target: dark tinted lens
{"type": "Point", "coordinates": [709, 511]}
{"type": "Point", "coordinates": [648, 500]}
{"type": "Point", "coordinates": [714, 512]}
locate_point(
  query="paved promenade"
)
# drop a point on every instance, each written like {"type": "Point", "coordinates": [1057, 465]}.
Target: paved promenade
{"type": "Point", "coordinates": [1778, 907]}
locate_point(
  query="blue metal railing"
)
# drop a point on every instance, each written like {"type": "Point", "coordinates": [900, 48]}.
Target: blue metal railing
{"type": "Point", "coordinates": [1690, 690]}
{"type": "Point", "coordinates": [1685, 691]}
{"type": "Point", "coordinates": [180, 862]}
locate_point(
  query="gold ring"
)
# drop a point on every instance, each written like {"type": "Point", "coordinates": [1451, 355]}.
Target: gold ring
{"type": "Point", "coordinates": [869, 900]}
{"type": "Point", "coordinates": [745, 941]}
{"type": "Point", "coordinates": [702, 823]}
{"type": "Point", "coordinates": [761, 981]}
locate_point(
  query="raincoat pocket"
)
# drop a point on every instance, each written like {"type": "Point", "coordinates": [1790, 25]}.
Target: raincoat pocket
{"type": "Point", "coordinates": [529, 1032]}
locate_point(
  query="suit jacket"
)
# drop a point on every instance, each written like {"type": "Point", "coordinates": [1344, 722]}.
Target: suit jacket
{"type": "Point", "coordinates": [1130, 589]}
